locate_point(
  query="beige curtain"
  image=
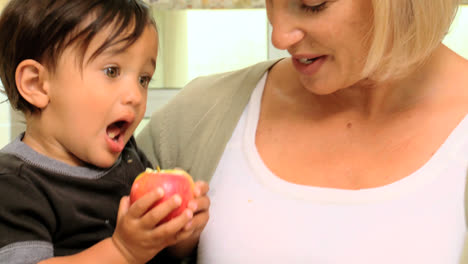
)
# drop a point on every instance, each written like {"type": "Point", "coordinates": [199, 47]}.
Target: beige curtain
{"type": "Point", "coordinates": [206, 4]}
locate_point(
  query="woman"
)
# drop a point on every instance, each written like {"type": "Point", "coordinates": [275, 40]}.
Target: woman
{"type": "Point", "coordinates": [353, 150]}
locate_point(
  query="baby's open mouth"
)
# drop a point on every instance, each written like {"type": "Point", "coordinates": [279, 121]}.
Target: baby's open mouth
{"type": "Point", "coordinates": [117, 130]}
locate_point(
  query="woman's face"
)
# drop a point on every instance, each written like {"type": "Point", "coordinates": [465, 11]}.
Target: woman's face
{"type": "Point", "coordinates": [328, 40]}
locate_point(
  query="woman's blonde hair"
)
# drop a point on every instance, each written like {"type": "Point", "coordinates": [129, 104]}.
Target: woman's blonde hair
{"type": "Point", "coordinates": [405, 33]}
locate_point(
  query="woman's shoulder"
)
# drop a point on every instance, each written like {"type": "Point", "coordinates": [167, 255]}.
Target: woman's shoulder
{"type": "Point", "coordinates": [451, 82]}
{"type": "Point", "coordinates": [227, 82]}
{"type": "Point", "coordinates": [459, 81]}
{"type": "Point", "coordinates": [214, 93]}
{"type": "Point", "coordinates": [194, 115]}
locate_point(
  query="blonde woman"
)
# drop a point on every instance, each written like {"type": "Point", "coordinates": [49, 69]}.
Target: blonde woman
{"type": "Point", "coordinates": [352, 150]}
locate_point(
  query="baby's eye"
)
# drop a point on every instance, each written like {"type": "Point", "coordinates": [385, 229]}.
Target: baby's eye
{"type": "Point", "coordinates": [112, 72]}
{"type": "Point", "coordinates": [144, 81]}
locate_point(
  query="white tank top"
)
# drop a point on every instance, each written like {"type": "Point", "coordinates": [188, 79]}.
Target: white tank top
{"type": "Point", "coordinates": [256, 217]}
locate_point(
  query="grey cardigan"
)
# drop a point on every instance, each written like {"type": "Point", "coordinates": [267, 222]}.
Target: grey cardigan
{"type": "Point", "coordinates": [192, 130]}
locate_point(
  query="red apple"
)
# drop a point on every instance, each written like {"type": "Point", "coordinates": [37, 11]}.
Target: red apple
{"type": "Point", "coordinates": [174, 181]}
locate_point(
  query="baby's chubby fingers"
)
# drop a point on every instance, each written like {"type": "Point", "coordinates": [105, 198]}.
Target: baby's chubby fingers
{"type": "Point", "coordinates": [142, 205]}
{"type": "Point", "coordinates": [201, 189]}
{"type": "Point", "coordinates": [199, 221]}
{"type": "Point", "coordinates": [124, 205]}
{"type": "Point", "coordinates": [158, 213]}
{"type": "Point", "coordinates": [199, 205]}
{"type": "Point", "coordinates": [201, 202]}
{"type": "Point", "coordinates": [172, 229]}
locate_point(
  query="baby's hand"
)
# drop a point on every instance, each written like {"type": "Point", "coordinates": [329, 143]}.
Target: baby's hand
{"type": "Point", "coordinates": [199, 206]}
{"type": "Point", "coordinates": [138, 236]}
{"type": "Point", "coordinates": [191, 232]}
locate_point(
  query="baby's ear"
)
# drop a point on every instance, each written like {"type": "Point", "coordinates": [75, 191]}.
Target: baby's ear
{"type": "Point", "coordinates": [30, 83]}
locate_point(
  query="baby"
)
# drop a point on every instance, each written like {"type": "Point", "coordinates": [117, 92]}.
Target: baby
{"type": "Point", "coordinates": [79, 71]}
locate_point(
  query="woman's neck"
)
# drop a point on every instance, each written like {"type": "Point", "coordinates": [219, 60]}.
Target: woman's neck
{"type": "Point", "coordinates": [369, 100]}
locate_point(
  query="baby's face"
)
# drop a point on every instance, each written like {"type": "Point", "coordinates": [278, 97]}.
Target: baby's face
{"type": "Point", "coordinates": [94, 108]}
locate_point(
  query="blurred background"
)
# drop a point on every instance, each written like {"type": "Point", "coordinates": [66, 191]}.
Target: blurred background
{"type": "Point", "coordinates": [200, 37]}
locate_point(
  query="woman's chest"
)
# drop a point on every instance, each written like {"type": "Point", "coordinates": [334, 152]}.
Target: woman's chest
{"type": "Point", "coordinates": [256, 217]}
{"type": "Point", "coordinates": [347, 156]}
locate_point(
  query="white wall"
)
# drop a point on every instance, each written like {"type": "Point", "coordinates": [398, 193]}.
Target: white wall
{"type": "Point", "coordinates": [199, 42]}
{"type": "Point", "coordinates": [225, 40]}
{"type": "Point", "coordinates": [457, 39]}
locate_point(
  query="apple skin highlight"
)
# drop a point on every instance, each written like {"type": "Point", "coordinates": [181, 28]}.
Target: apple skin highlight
{"type": "Point", "coordinates": [173, 181]}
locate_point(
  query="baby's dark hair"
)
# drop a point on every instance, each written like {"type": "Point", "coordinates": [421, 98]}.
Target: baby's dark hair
{"type": "Point", "coordinates": [42, 29]}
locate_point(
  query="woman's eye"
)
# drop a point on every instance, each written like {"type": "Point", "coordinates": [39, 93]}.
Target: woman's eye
{"type": "Point", "coordinates": [144, 81]}
{"type": "Point", "coordinates": [315, 8]}
{"type": "Point", "coordinates": [112, 72]}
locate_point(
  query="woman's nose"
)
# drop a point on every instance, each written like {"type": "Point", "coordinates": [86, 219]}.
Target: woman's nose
{"type": "Point", "coordinates": [285, 31]}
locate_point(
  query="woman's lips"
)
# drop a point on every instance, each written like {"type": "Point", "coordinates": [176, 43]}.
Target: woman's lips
{"type": "Point", "coordinates": [309, 66]}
